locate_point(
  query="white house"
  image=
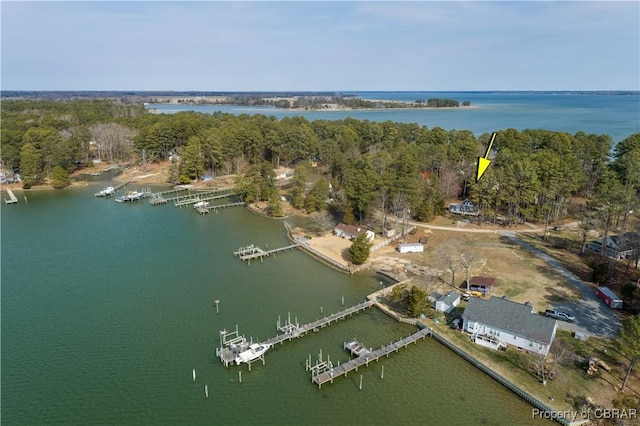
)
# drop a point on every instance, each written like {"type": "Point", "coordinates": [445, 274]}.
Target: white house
{"type": "Point", "coordinates": [445, 302]}
{"type": "Point", "coordinates": [411, 248]}
{"type": "Point", "coordinates": [498, 322]}
{"type": "Point", "coordinates": [466, 207]}
{"type": "Point", "coordinates": [350, 231]}
{"type": "Point", "coordinates": [625, 246]}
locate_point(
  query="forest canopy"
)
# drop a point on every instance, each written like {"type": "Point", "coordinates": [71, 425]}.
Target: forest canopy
{"type": "Point", "coordinates": [372, 167]}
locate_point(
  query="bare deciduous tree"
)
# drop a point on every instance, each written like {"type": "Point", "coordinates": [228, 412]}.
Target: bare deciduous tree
{"type": "Point", "coordinates": [323, 220]}
{"type": "Point", "coordinates": [450, 261]}
{"type": "Point", "coordinates": [586, 222]}
{"type": "Point", "coordinates": [399, 205]}
{"type": "Point", "coordinates": [449, 182]}
{"type": "Point", "coordinates": [113, 141]}
{"type": "Point", "coordinates": [468, 260]}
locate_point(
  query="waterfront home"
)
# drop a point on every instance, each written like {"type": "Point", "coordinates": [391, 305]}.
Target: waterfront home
{"type": "Point", "coordinates": [350, 232]}
{"type": "Point", "coordinates": [445, 302]}
{"type": "Point", "coordinates": [498, 322]}
{"type": "Point", "coordinates": [624, 246]}
{"type": "Point", "coordinates": [465, 208]}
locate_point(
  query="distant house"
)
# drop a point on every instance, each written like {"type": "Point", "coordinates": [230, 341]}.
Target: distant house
{"type": "Point", "coordinates": [445, 302]}
{"type": "Point", "coordinates": [465, 208]}
{"type": "Point", "coordinates": [624, 246]}
{"type": "Point", "coordinates": [481, 284]}
{"type": "Point", "coordinates": [350, 232]}
{"type": "Point", "coordinates": [498, 322]}
{"type": "Point", "coordinates": [411, 248]}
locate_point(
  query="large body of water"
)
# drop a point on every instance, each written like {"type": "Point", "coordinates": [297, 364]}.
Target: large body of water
{"type": "Point", "coordinates": [107, 308]}
{"type": "Point", "coordinates": [617, 115]}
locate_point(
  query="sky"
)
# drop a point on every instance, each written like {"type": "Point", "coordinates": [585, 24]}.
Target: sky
{"type": "Point", "coordinates": [320, 46]}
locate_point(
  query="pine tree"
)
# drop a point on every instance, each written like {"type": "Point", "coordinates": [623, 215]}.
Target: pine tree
{"type": "Point", "coordinates": [360, 249]}
{"type": "Point", "coordinates": [60, 178]}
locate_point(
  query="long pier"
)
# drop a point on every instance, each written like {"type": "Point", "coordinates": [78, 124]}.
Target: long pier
{"type": "Point", "coordinates": [231, 342]}
{"type": "Point", "coordinates": [300, 331]}
{"type": "Point", "coordinates": [121, 185]}
{"type": "Point", "coordinates": [254, 252]}
{"type": "Point", "coordinates": [194, 196]}
{"type": "Point", "coordinates": [331, 372]}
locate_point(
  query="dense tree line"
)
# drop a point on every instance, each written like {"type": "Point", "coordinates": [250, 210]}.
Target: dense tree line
{"type": "Point", "coordinates": [375, 169]}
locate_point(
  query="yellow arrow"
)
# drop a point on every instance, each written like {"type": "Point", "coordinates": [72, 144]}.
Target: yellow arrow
{"type": "Point", "coordinates": [483, 162]}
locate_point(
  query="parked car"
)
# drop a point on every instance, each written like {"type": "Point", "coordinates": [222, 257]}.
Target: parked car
{"type": "Point", "coordinates": [559, 315]}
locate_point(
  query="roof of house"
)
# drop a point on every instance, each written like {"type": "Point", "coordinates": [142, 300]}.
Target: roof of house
{"type": "Point", "coordinates": [482, 281]}
{"type": "Point", "coordinates": [350, 229]}
{"type": "Point", "coordinates": [449, 297]}
{"type": "Point", "coordinates": [623, 242]}
{"type": "Point", "coordinates": [511, 317]}
{"type": "Point", "coordinates": [627, 241]}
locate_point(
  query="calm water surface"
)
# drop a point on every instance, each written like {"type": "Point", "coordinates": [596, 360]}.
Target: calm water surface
{"type": "Point", "coordinates": [599, 113]}
{"type": "Point", "coordinates": [107, 307]}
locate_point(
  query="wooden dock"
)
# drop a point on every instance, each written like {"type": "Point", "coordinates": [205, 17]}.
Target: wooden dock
{"type": "Point", "coordinates": [199, 195]}
{"type": "Point", "coordinates": [300, 331]}
{"type": "Point", "coordinates": [231, 342]}
{"type": "Point", "coordinates": [332, 371]}
{"type": "Point", "coordinates": [254, 252]}
{"type": "Point", "coordinates": [12, 198]}
{"type": "Point", "coordinates": [121, 185]}
{"type": "Point", "coordinates": [224, 206]}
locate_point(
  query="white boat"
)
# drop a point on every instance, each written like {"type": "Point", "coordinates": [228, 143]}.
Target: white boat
{"type": "Point", "coordinates": [109, 190]}
{"type": "Point", "coordinates": [201, 205]}
{"type": "Point", "coordinates": [254, 352]}
{"type": "Point", "coordinates": [130, 196]}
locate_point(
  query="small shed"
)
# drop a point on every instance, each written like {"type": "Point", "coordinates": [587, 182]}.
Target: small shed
{"type": "Point", "coordinates": [411, 248]}
{"type": "Point", "coordinates": [481, 284]}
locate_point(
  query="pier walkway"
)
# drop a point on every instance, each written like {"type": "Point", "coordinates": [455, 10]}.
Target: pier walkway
{"type": "Point", "coordinates": [331, 371]}
{"type": "Point", "coordinates": [121, 185]}
{"type": "Point", "coordinates": [231, 343]}
{"type": "Point", "coordinates": [254, 252]}
{"type": "Point", "coordinates": [300, 331]}
{"type": "Point", "coordinates": [187, 200]}
{"type": "Point", "coordinates": [12, 198]}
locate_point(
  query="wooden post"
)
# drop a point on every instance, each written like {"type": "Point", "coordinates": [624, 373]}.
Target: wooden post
{"type": "Point", "coordinates": [217, 303]}
{"type": "Point", "coordinates": [361, 382]}
{"type": "Point", "coordinates": [206, 391]}
{"type": "Point", "coordinates": [382, 374]}
{"type": "Point", "coordinates": [342, 300]}
{"type": "Point", "coordinates": [240, 376]}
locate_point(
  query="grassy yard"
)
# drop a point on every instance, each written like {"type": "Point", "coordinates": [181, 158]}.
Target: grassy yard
{"type": "Point", "coordinates": [571, 388]}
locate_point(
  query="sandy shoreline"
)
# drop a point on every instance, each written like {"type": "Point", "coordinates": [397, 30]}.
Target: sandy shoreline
{"type": "Point", "coordinates": [336, 109]}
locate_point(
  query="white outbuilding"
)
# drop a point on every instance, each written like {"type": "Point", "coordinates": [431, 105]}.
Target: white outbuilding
{"type": "Point", "coordinates": [411, 248]}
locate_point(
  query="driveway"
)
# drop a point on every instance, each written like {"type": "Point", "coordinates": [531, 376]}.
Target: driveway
{"type": "Point", "coordinates": [593, 317]}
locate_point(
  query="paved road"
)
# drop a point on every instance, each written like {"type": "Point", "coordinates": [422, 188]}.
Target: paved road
{"type": "Point", "coordinates": [593, 317]}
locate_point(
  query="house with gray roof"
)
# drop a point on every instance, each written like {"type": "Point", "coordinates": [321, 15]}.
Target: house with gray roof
{"type": "Point", "coordinates": [498, 322]}
{"type": "Point", "coordinates": [445, 302]}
